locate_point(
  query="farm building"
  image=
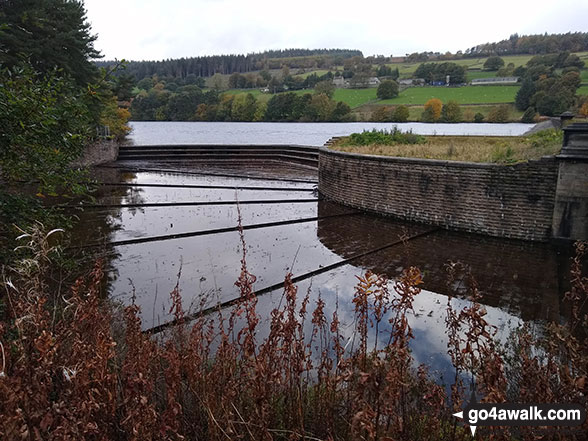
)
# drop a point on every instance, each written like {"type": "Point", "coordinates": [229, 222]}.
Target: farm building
{"type": "Point", "coordinates": [411, 82]}
{"type": "Point", "coordinates": [495, 80]}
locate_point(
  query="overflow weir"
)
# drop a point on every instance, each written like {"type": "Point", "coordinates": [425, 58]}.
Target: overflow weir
{"type": "Point", "coordinates": [302, 155]}
{"type": "Point", "coordinates": [179, 208]}
{"type": "Point", "coordinates": [535, 201]}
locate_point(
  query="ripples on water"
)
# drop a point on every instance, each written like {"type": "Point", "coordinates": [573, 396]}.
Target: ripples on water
{"type": "Point", "coordinates": [314, 134]}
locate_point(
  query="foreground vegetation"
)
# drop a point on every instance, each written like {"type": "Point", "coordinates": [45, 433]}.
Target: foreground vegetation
{"type": "Point", "coordinates": [501, 150]}
{"type": "Point", "coordinates": [54, 104]}
{"type": "Point", "coordinates": [72, 368]}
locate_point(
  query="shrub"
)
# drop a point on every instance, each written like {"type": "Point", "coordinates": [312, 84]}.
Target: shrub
{"type": "Point", "coordinates": [45, 123]}
{"type": "Point", "coordinates": [479, 117]}
{"type": "Point", "coordinates": [468, 115]}
{"type": "Point", "coordinates": [451, 112]}
{"type": "Point", "coordinates": [382, 114]}
{"type": "Point", "coordinates": [400, 114]}
{"type": "Point", "coordinates": [546, 138]}
{"type": "Point", "coordinates": [384, 137]}
{"type": "Point", "coordinates": [502, 153]}
{"type": "Point", "coordinates": [499, 114]}
{"type": "Point", "coordinates": [583, 111]}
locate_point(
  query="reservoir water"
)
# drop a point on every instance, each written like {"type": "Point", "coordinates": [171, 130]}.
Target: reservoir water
{"type": "Point", "coordinates": [314, 134]}
{"type": "Point", "coordinates": [289, 229]}
{"type": "Point", "coordinates": [293, 231]}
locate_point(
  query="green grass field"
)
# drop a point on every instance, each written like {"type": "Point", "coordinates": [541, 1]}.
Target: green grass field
{"type": "Point", "coordinates": [406, 70]}
{"type": "Point", "coordinates": [355, 97]}
{"type": "Point", "coordinates": [476, 96]}
{"type": "Point", "coordinates": [319, 73]}
{"type": "Point", "coordinates": [259, 95]}
{"type": "Point", "coordinates": [463, 95]}
{"type": "Point", "coordinates": [475, 74]}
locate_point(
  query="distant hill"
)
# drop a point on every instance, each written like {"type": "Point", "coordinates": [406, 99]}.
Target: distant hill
{"type": "Point", "coordinates": [533, 44]}
{"type": "Point", "coordinates": [228, 64]}
{"type": "Point", "coordinates": [313, 59]}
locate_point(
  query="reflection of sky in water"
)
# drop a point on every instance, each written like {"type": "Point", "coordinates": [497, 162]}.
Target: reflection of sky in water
{"type": "Point", "coordinates": [137, 195]}
{"type": "Point", "coordinates": [429, 345]}
{"type": "Point", "coordinates": [312, 134]}
{"type": "Point", "coordinates": [183, 179]}
{"type": "Point", "coordinates": [518, 280]}
{"type": "Point", "coordinates": [154, 221]}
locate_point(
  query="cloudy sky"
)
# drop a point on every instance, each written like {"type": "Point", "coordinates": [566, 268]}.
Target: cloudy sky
{"type": "Point", "coordinates": [156, 29]}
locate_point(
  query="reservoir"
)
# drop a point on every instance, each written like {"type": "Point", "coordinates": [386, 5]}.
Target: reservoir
{"type": "Point", "coordinates": [156, 229]}
{"type": "Point", "coordinates": [314, 134]}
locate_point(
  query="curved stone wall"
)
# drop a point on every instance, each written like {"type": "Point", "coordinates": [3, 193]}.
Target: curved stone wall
{"type": "Point", "coordinates": [505, 201]}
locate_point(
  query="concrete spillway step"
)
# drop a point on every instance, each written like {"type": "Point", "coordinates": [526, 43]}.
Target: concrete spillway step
{"type": "Point", "coordinates": [297, 154]}
{"type": "Point", "coordinates": [213, 147]}
{"type": "Point", "coordinates": [184, 152]}
{"type": "Point", "coordinates": [201, 158]}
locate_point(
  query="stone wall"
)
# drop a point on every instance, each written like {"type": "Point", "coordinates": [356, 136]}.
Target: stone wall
{"type": "Point", "coordinates": [505, 201]}
{"type": "Point", "coordinates": [99, 152]}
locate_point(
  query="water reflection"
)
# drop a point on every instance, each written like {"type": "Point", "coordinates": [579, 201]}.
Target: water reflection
{"type": "Point", "coordinates": [523, 278]}
{"type": "Point", "coordinates": [519, 281]}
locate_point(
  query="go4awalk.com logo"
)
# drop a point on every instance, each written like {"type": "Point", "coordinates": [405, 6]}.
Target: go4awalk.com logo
{"type": "Point", "coordinates": [513, 415]}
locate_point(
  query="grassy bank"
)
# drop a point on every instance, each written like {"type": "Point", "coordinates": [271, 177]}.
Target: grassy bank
{"type": "Point", "coordinates": [501, 150]}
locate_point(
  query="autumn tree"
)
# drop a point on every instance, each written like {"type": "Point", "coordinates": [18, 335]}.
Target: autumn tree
{"type": "Point", "coordinates": [182, 106]}
{"type": "Point", "coordinates": [432, 111]}
{"type": "Point", "coordinates": [237, 81]}
{"type": "Point", "coordinates": [546, 88]}
{"type": "Point", "coordinates": [217, 82]}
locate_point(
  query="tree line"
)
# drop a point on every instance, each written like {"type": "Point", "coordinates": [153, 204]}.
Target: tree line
{"type": "Point", "coordinates": [549, 85]}
{"type": "Point", "coordinates": [190, 103]}
{"type": "Point", "coordinates": [532, 44]}
{"type": "Point", "coordinates": [207, 66]}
